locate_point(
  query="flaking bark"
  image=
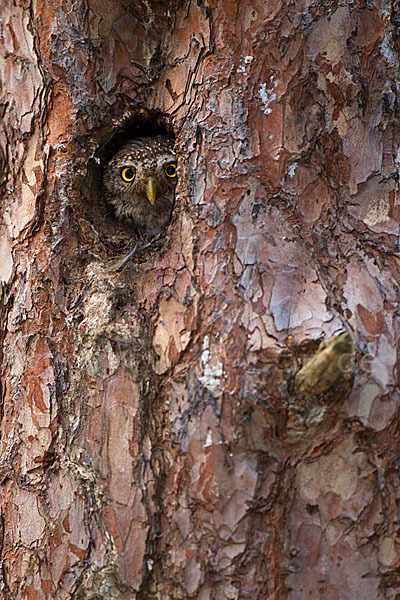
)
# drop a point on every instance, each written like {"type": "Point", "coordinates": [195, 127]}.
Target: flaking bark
{"type": "Point", "coordinates": [152, 441]}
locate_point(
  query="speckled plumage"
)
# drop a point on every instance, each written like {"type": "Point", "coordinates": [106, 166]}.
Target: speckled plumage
{"type": "Point", "coordinates": [148, 157]}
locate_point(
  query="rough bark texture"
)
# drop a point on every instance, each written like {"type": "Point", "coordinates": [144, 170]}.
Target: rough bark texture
{"type": "Point", "coordinates": [152, 443]}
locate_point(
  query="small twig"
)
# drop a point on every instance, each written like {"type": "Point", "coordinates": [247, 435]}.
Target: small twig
{"type": "Point", "coordinates": [121, 262]}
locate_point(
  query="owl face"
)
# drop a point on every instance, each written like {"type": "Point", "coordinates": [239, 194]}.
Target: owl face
{"type": "Point", "coordinates": [140, 181]}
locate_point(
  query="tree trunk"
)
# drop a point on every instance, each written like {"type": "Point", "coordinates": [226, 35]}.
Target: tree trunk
{"type": "Point", "coordinates": [193, 425]}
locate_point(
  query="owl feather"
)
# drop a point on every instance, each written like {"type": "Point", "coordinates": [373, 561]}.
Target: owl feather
{"type": "Point", "coordinates": [139, 183]}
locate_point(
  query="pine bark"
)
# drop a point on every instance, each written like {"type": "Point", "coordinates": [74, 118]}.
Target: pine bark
{"type": "Point", "coordinates": [195, 424]}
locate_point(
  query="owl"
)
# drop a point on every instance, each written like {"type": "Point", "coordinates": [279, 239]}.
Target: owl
{"type": "Point", "coordinates": [139, 182]}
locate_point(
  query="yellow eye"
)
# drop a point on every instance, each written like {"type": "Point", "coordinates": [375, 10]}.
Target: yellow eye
{"type": "Point", "coordinates": [170, 170]}
{"type": "Point", "coordinates": [127, 174]}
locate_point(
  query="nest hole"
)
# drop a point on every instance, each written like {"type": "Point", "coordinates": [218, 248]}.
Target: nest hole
{"type": "Point", "coordinates": [115, 236]}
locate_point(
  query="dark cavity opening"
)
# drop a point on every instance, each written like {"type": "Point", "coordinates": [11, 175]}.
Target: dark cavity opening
{"type": "Point", "coordinates": [144, 123]}
{"type": "Point", "coordinates": [115, 236]}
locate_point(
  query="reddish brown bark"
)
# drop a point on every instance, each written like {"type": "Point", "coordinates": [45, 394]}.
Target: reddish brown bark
{"type": "Point", "coordinates": [153, 444]}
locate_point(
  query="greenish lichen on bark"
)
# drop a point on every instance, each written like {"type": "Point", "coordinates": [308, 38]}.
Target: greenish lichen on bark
{"type": "Point", "coordinates": [326, 369]}
{"type": "Point", "coordinates": [151, 442]}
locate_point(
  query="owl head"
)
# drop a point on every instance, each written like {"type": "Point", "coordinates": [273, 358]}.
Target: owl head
{"type": "Point", "coordinates": [140, 179]}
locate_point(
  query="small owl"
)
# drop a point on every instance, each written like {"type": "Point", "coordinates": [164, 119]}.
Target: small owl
{"type": "Point", "coordinates": [139, 182]}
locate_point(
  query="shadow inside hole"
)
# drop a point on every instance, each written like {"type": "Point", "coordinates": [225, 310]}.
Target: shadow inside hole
{"type": "Point", "coordinates": [117, 236]}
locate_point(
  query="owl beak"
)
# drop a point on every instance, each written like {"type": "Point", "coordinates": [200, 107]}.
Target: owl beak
{"type": "Point", "coordinates": [151, 189]}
